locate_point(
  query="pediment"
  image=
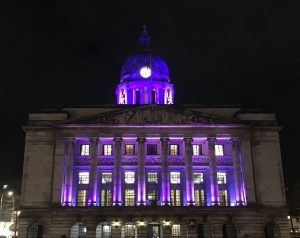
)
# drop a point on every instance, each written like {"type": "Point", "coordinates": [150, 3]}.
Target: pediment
{"type": "Point", "coordinates": [151, 115]}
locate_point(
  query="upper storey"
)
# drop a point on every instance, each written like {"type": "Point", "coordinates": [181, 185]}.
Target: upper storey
{"type": "Point", "coordinates": [145, 78]}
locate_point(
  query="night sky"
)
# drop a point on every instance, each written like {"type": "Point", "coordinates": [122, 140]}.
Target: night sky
{"type": "Point", "coordinates": [57, 53]}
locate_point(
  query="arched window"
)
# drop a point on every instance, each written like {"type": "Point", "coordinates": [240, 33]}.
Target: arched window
{"type": "Point", "coordinates": [129, 231]}
{"type": "Point", "coordinates": [137, 97]}
{"type": "Point", "coordinates": [103, 230]}
{"type": "Point", "coordinates": [78, 230]}
{"type": "Point", "coordinates": [229, 230]}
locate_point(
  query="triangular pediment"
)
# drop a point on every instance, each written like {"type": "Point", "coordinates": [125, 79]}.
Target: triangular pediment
{"type": "Point", "coordinates": [151, 115]}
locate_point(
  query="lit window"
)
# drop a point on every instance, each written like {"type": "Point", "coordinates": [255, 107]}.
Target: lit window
{"type": "Point", "coordinates": [221, 177]}
{"type": "Point", "coordinates": [83, 178]}
{"type": "Point", "coordinates": [129, 150]}
{"type": "Point", "coordinates": [81, 197]}
{"type": "Point", "coordinates": [197, 150]}
{"type": "Point", "coordinates": [106, 231]}
{"type": "Point", "coordinates": [175, 197]}
{"type": "Point", "coordinates": [176, 230]}
{"type": "Point", "coordinates": [85, 150]}
{"type": "Point", "coordinates": [129, 177]}
{"type": "Point", "coordinates": [107, 149]}
{"type": "Point", "coordinates": [223, 197]}
{"type": "Point", "coordinates": [129, 197]}
{"type": "Point", "coordinates": [199, 197]}
{"type": "Point", "coordinates": [106, 198]}
{"type": "Point", "coordinates": [152, 149]}
{"type": "Point", "coordinates": [106, 178]}
{"type": "Point", "coordinates": [219, 150]}
{"type": "Point", "coordinates": [152, 177]}
{"type": "Point", "coordinates": [129, 231]}
{"type": "Point", "coordinates": [198, 178]}
{"type": "Point", "coordinates": [174, 150]}
{"type": "Point", "coordinates": [152, 195]}
{"type": "Point", "coordinates": [82, 231]}
{"type": "Point", "coordinates": [175, 177]}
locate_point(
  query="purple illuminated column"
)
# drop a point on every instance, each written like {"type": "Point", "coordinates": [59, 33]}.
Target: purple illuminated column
{"type": "Point", "coordinates": [117, 191]}
{"type": "Point", "coordinates": [165, 181]}
{"type": "Point", "coordinates": [237, 170]}
{"type": "Point", "coordinates": [141, 172]}
{"type": "Point", "coordinates": [92, 197]}
{"type": "Point", "coordinates": [214, 188]}
{"type": "Point", "coordinates": [188, 154]}
{"type": "Point", "coordinates": [69, 171]}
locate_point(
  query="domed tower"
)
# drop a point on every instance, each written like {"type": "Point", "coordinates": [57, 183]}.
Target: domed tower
{"type": "Point", "coordinates": [145, 78]}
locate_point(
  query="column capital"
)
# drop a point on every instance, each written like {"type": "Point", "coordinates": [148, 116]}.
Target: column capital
{"type": "Point", "coordinates": [141, 139]}
{"type": "Point", "coordinates": [164, 139]}
{"type": "Point", "coordinates": [94, 140]}
{"type": "Point", "coordinates": [187, 140]}
{"type": "Point", "coordinates": [70, 140]}
{"type": "Point", "coordinates": [234, 141]}
{"type": "Point", "coordinates": [211, 140]}
{"type": "Point", "coordinates": [118, 140]}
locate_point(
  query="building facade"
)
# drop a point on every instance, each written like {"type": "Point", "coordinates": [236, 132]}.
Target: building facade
{"type": "Point", "coordinates": [146, 167]}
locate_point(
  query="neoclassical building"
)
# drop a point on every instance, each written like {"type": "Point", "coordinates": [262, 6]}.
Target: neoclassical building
{"type": "Point", "coordinates": [146, 167]}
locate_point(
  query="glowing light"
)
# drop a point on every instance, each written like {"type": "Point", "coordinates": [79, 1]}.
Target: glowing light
{"type": "Point", "coordinates": [10, 193]}
{"type": "Point", "coordinates": [145, 72]}
{"type": "Point", "coordinates": [288, 217]}
{"type": "Point", "coordinates": [5, 186]}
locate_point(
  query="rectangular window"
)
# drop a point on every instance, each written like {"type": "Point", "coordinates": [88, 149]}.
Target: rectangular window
{"type": "Point", "coordinates": [176, 231]}
{"type": "Point", "coordinates": [199, 197]}
{"type": "Point", "coordinates": [151, 149]}
{"type": "Point", "coordinates": [129, 231]}
{"type": "Point", "coordinates": [107, 149]}
{"type": "Point", "coordinates": [223, 197]}
{"type": "Point", "coordinates": [81, 198]}
{"type": "Point", "coordinates": [106, 178]}
{"type": "Point", "coordinates": [129, 197]}
{"type": "Point", "coordinates": [175, 177]}
{"type": "Point", "coordinates": [106, 198]}
{"type": "Point", "coordinates": [152, 195]}
{"type": "Point", "coordinates": [129, 177]}
{"type": "Point", "coordinates": [197, 150]}
{"type": "Point", "coordinates": [152, 177]}
{"type": "Point", "coordinates": [175, 197]}
{"type": "Point", "coordinates": [198, 178]}
{"type": "Point", "coordinates": [221, 177]}
{"type": "Point", "coordinates": [83, 177]}
{"type": "Point", "coordinates": [129, 150]}
{"type": "Point", "coordinates": [174, 150]}
{"type": "Point", "coordinates": [219, 150]}
{"type": "Point", "coordinates": [85, 150]}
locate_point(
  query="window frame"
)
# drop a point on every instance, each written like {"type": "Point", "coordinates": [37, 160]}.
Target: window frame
{"type": "Point", "coordinates": [84, 151]}
{"type": "Point", "coordinates": [104, 149]}
{"type": "Point", "coordinates": [173, 172]}
{"type": "Point", "coordinates": [127, 150]}
{"type": "Point", "coordinates": [219, 152]}
{"type": "Point", "coordinates": [177, 149]}
{"type": "Point", "coordinates": [199, 149]}
{"type": "Point", "coordinates": [148, 150]}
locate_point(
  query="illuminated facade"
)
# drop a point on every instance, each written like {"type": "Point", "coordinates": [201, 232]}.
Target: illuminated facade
{"type": "Point", "coordinates": [152, 169]}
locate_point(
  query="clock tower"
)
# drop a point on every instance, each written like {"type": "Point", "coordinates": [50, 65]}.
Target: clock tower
{"type": "Point", "coordinates": [145, 77]}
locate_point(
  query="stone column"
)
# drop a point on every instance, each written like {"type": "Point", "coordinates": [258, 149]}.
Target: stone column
{"type": "Point", "coordinates": [92, 197]}
{"type": "Point", "coordinates": [117, 190]}
{"type": "Point", "coordinates": [236, 153]}
{"type": "Point", "coordinates": [69, 171]}
{"type": "Point", "coordinates": [188, 156]}
{"type": "Point", "coordinates": [214, 188]}
{"type": "Point", "coordinates": [165, 183]}
{"type": "Point", "coordinates": [141, 172]}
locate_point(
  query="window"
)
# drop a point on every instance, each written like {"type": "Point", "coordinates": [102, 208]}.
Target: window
{"type": "Point", "coordinates": [153, 97]}
{"type": "Point", "coordinates": [81, 198]}
{"type": "Point", "coordinates": [85, 150]}
{"type": "Point", "coordinates": [221, 177]}
{"type": "Point", "coordinates": [106, 198]}
{"type": "Point", "coordinates": [129, 150]}
{"type": "Point", "coordinates": [151, 149]}
{"type": "Point", "coordinates": [129, 197]}
{"type": "Point", "coordinates": [174, 150]}
{"type": "Point", "coordinates": [198, 178]}
{"type": "Point", "coordinates": [107, 149]}
{"type": "Point", "coordinates": [199, 197]}
{"type": "Point", "coordinates": [129, 231]}
{"type": "Point", "coordinates": [106, 178]}
{"type": "Point", "coordinates": [82, 231]}
{"type": "Point", "coordinates": [175, 197]}
{"type": "Point", "coordinates": [152, 177]}
{"type": "Point", "coordinates": [197, 150]}
{"type": "Point", "coordinates": [83, 177]}
{"type": "Point", "coordinates": [219, 150]}
{"type": "Point", "coordinates": [137, 97]}
{"type": "Point", "coordinates": [176, 230]}
{"type": "Point", "coordinates": [152, 195]}
{"type": "Point", "coordinates": [223, 197]}
{"type": "Point", "coordinates": [103, 231]}
{"type": "Point", "coordinates": [129, 177]}
{"type": "Point", "coordinates": [175, 177]}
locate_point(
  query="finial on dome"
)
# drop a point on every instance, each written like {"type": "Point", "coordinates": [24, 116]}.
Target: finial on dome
{"type": "Point", "coordinates": [144, 39]}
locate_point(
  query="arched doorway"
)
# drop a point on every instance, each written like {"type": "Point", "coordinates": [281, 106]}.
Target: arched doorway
{"type": "Point", "coordinates": [78, 230]}
{"type": "Point", "coordinates": [103, 230]}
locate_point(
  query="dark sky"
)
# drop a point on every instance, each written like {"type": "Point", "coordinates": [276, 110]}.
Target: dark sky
{"type": "Point", "coordinates": [56, 53]}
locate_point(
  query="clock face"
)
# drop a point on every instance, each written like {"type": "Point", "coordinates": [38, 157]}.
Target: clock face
{"type": "Point", "coordinates": [145, 72]}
